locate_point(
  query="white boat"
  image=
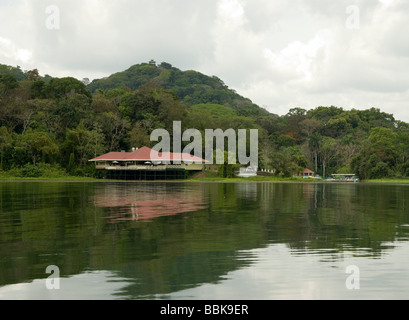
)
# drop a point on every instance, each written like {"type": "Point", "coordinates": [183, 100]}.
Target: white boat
{"type": "Point", "coordinates": [247, 172]}
{"type": "Point", "coordinates": [343, 178]}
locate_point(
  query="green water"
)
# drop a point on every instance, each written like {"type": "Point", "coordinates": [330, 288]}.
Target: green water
{"type": "Point", "coordinates": [203, 240]}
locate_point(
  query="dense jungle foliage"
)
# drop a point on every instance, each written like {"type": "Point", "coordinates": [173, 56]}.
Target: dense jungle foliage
{"type": "Point", "coordinates": [53, 126]}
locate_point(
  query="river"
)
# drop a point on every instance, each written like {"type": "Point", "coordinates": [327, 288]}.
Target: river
{"type": "Point", "coordinates": [188, 240]}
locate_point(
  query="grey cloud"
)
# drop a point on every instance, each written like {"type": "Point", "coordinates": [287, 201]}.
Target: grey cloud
{"type": "Point", "coordinates": [348, 67]}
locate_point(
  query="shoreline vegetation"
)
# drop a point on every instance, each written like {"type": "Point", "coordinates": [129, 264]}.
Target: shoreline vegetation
{"type": "Point", "coordinates": [5, 177]}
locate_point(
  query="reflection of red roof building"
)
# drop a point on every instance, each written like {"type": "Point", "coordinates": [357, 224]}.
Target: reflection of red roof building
{"type": "Point", "coordinates": [139, 204]}
{"type": "Point", "coordinates": [151, 209]}
{"type": "Point", "coordinates": [146, 163]}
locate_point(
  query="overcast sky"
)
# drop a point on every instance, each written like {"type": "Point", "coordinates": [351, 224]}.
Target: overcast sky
{"type": "Point", "coordinates": [280, 54]}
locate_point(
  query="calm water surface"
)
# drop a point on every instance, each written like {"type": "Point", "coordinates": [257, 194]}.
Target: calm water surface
{"type": "Point", "coordinates": [204, 240]}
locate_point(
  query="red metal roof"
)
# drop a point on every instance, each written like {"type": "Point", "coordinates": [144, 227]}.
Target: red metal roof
{"type": "Point", "coordinates": [308, 171]}
{"type": "Point", "coordinates": [147, 154]}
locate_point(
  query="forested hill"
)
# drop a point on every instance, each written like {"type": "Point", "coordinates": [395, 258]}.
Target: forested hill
{"type": "Point", "coordinates": [54, 125]}
{"type": "Point", "coordinates": [190, 86]}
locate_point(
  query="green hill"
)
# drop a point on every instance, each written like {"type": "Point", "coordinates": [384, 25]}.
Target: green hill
{"type": "Point", "coordinates": [190, 86]}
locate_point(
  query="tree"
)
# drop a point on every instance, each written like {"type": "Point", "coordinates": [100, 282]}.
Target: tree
{"type": "Point", "coordinates": [324, 114]}
{"type": "Point", "coordinates": [26, 115]}
{"type": "Point", "coordinates": [165, 65]}
{"type": "Point", "coordinates": [85, 144]}
{"type": "Point", "coordinates": [115, 129]}
{"type": "Point", "coordinates": [65, 116]}
{"type": "Point", "coordinates": [33, 75]}
{"type": "Point", "coordinates": [71, 163]}
{"type": "Point", "coordinates": [170, 108]}
{"type": "Point", "coordinates": [139, 136]}
{"type": "Point", "coordinates": [288, 161]}
{"type": "Point", "coordinates": [286, 140]}
{"type": "Point", "coordinates": [384, 143]}
{"type": "Point", "coordinates": [5, 142]}
{"type": "Point", "coordinates": [37, 145]}
{"type": "Point", "coordinates": [348, 148]}
{"type": "Point", "coordinates": [403, 150]}
{"type": "Point", "coordinates": [140, 102]}
{"type": "Point", "coordinates": [16, 72]}
{"type": "Point", "coordinates": [38, 89]}
{"type": "Point", "coordinates": [375, 118]}
{"type": "Point", "coordinates": [327, 151]}
{"type": "Point", "coordinates": [227, 169]}
{"type": "Point", "coordinates": [44, 118]}
{"type": "Point", "coordinates": [102, 103]}
{"type": "Point", "coordinates": [379, 155]}
{"type": "Point", "coordinates": [314, 143]}
{"type": "Point", "coordinates": [63, 87]}
{"type": "Point", "coordinates": [309, 126]}
{"type": "Point", "coordinates": [7, 82]}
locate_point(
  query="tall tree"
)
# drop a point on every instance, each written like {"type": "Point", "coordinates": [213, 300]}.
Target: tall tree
{"type": "Point", "coordinates": [84, 144]}
{"type": "Point", "coordinates": [115, 129]}
{"type": "Point", "coordinates": [5, 142]}
{"type": "Point", "coordinates": [314, 143]}
{"type": "Point", "coordinates": [327, 151]}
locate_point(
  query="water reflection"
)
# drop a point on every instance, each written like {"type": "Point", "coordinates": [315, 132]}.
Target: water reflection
{"type": "Point", "coordinates": [95, 285]}
{"type": "Point", "coordinates": [205, 240]}
{"type": "Point", "coordinates": [277, 274]}
{"type": "Point", "coordinates": [144, 202]}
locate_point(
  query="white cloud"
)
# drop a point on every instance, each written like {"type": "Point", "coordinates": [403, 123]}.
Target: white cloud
{"type": "Point", "coordinates": [230, 9]}
{"type": "Point", "coordinates": [386, 3]}
{"type": "Point", "coordinates": [9, 51]}
{"type": "Point", "coordinates": [300, 58]}
{"type": "Point", "coordinates": [277, 53]}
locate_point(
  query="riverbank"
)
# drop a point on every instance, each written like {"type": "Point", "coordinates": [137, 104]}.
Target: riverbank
{"type": "Point", "coordinates": [9, 178]}
{"type": "Point", "coordinates": [249, 179]}
{"type": "Point", "coordinates": [81, 179]}
{"type": "Point", "coordinates": [6, 178]}
{"type": "Point", "coordinates": [388, 181]}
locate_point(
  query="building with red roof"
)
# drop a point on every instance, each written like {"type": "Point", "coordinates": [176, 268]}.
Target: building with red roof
{"type": "Point", "coordinates": [306, 173]}
{"type": "Point", "coordinates": [147, 164]}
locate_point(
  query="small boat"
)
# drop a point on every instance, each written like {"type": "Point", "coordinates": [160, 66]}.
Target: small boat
{"type": "Point", "coordinates": [343, 178]}
{"type": "Point", "coordinates": [247, 172]}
